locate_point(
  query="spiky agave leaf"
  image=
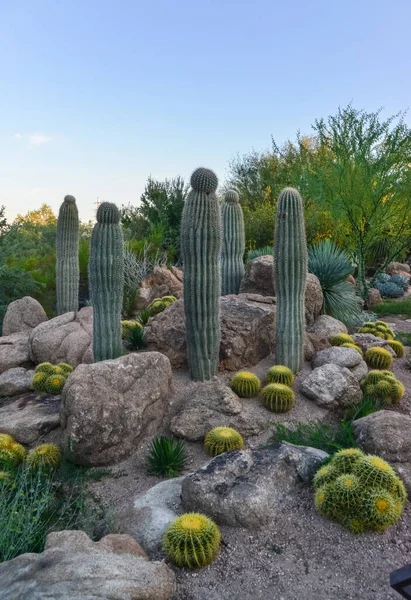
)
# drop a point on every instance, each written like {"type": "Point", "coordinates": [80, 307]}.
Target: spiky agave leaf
{"type": "Point", "coordinates": [167, 457]}
{"type": "Point", "coordinates": [135, 338]}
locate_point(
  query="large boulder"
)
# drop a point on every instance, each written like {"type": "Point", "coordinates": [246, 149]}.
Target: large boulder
{"type": "Point", "coordinates": [343, 357]}
{"type": "Point", "coordinates": [249, 488]}
{"type": "Point", "coordinates": [108, 406]}
{"type": "Point", "coordinates": [30, 417]}
{"type": "Point", "coordinates": [72, 567]}
{"type": "Point", "coordinates": [332, 386]}
{"type": "Point", "coordinates": [15, 351]}
{"type": "Point", "coordinates": [258, 279]}
{"type": "Point", "coordinates": [162, 282]}
{"type": "Point", "coordinates": [386, 433]}
{"type": "Point", "coordinates": [258, 276]}
{"type": "Point", "coordinates": [15, 381]}
{"type": "Point", "coordinates": [247, 331]}
{"type": "Point", "coordinates": [211, 404]}
{"type": "Point", "coordinates": [395, 268]}
{"type": "Point", "coordinates": [152, 513]}
{"type": "Point", "coordinates": [327, 327]}
{"type": "Point", "coordinates": [66, 338]}
{"type": "Point", "coordinates": [23, 315]}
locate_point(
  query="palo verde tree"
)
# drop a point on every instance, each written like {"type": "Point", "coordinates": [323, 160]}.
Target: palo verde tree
{"type": "Point", "coordinates": [361, 174]}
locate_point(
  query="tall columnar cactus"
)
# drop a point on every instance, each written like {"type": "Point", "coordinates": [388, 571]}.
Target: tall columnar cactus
{"type": "Point", "coordinates": [67, 263]}
{"type": "Point", "coordinates": [106, 275]}
{"type": "Point", "coordinates": [290, 273]}
{"type": "Point", "coordinates": [200, 247]}
{"type": "Point", "coordinates": [233, 244]}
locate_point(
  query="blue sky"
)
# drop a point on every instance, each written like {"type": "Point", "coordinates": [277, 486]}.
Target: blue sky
{"type": "Point", "coordinates": [95, 96]}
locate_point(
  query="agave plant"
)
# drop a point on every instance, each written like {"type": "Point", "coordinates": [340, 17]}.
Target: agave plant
{"type": "Point", "coordinates": [135, 338]}
{"type": "Point", "coordinates": [167, 457]}
{"type": "Point", "coordinates": [332, 266]}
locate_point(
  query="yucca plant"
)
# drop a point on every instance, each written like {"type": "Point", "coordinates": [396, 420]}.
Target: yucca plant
{"type": "Point", "coordinates": [135, 338]}
{"type": "Point", "coordinates": [332, 266]}
{"type": "Point", "coordinates": [167, 457]}
{"type": "Point", "coordinates": [144, 316]}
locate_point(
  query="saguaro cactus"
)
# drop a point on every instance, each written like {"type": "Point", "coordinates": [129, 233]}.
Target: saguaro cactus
{"type": "Point", "coordinates": [200, 247]}
{"type": "Point", "coordinates": [106, 275]}
{"type": "Point", "coordinates": [67, 262]}
{"type": "Point", "coordinates": [232, 252]}
{"type": "Point", "coordinates": [290, 274]}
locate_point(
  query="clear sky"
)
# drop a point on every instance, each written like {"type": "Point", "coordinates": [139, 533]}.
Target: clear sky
{"type": "Point", "coordinates": [96, 95]}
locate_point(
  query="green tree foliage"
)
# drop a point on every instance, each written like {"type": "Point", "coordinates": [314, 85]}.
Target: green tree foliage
{"type": "Point", "coordinates": [157, 219]}
{"type": "Point", "coordinates": [363, 179]}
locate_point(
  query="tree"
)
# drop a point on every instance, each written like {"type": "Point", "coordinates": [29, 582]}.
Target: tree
{"type": "Point", "coordinates": [42, 216]}
{"type": "Point", "coordinates": [361, 174]}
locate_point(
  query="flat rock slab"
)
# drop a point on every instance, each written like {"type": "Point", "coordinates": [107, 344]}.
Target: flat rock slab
{"type": "Point", "coordinates": [30, 417]}
{"type": "Point", "coordinates": [72, 567]}
{"type": "Point", "coordinates": [15, 381]}
{"type": "Point", "coordinates": [248, 488]}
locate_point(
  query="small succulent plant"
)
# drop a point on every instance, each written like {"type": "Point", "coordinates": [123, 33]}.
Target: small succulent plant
{"type": "Point", "coordinates": [278, 397]}
{"type": "Point", "coordinates": [340, 339]}
{"type": "Point", "coordinates": [167, 457]}
{"type": "Point", "coordinates": [223, 439]}
{"type": "Point", "coordinates": [192, 541]}
{"type": "Point", "coordinates": [280, 374]}
{"type": "Point", "coordinates": [245, 384]}
{"type": "Point", "coordinates": [46, 457]}
{"type": "Point", "coordinates": [378, 358]}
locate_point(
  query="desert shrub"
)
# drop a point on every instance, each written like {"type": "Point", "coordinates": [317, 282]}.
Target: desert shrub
{"type": "Point", "coordinates": [167, 457]}
{"type": "Point", "coordinates": [332, 266]}
{"type": "Point", "coordinates": [390, 286]}
{"type": "Point", "coordinates": [14, 284]}
{"type": "Point", "coordinates": [317, 435]}
{"type": "Point", "coordinates": [359, 491]}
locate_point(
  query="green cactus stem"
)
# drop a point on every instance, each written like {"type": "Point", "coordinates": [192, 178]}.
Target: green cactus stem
{"type": "Point", "coordinates": [67, 260]}
{"type": "Point", "coordinates": [290, 274]}
{"type": "Point", "coordinates": [200, 247]}
{"type": "Point", "coordinates": [106, 275]}
{"type": "Point", "coordinates": [233, 244]}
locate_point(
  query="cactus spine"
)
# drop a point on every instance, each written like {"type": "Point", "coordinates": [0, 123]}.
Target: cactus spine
{"type": "Point", "coordinates": [233, 244]}
{"type": "Point", "coordinates": [67, 262]}
{"type": "Point", "coordinates": [106, 275]}
{"type": "Point", "coordinates": [290, 273]}
{"type": "Point", "coordinates": [200, 247]}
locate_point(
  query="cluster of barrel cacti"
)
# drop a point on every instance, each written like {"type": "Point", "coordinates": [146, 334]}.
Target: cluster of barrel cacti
{"type": "Point", "coordinates": [379, 329]}
{"type": "Point", "coordinates": [343, 340]}
{"type": "Point", "coordinates": [277, 395]}
{"type": "Point", "coordinates": [383, 385]}
{"type": "Point", "coordinates": [159, 304]}
{"type": "Point", "coordinates": [46, 457]}
{"type": "Point", "coordinates": [50, 379]}
{"type": "Point", "coordinates": [359, 491]}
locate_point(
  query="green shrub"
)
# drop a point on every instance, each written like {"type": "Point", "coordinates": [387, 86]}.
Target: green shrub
{"type": "Point", "coordinates": [317, 435]}
{"type": "Point", "coordinates": [167, 457]}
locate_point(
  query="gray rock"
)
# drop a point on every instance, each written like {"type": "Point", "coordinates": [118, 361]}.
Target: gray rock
{"type": "Point", "coordinates": [15, 351]}
{"type": "Point", "coordinates": [211, 404]}
{"type": "Point", "coordinates": [343, 357]}
{"type": "Point", "coordinates": [23, 315]}
{"type": "Point", "coordinates": [258, 276]}
{"type": "Point", "coordinates": [15, 381]}
{"type": "Point", "coordinates": [367, 340]}
{"type": "Point", "coordinates": [162, 282]}
{"type": "Point", "coordinates": [385, 433]}
{"type": "Point", "coordinates": [30, 417]}
{"type": "Point", "coordinates": [258, 279]}
{"type": "Point", "coordinates": [396, 267]}
{"type": "Point", "coordinates": [373, 298]}
{"type": "Point", "coordinates": [152, 513]}
{"type": "Point", "coordinates": [72, 567]}
{"type": "Point", "coordinates": [327, 326]}
{"type": "Point", "coordinates": [66, 338]}
{"type": "Point", "coordinates": [247, 332]}
{"type": "Point", "coordinates": [108, 406]}
{"type": "Point", "coordinates": [248, 488]}
{"type": "Point", "coordinates": [332, 386]}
